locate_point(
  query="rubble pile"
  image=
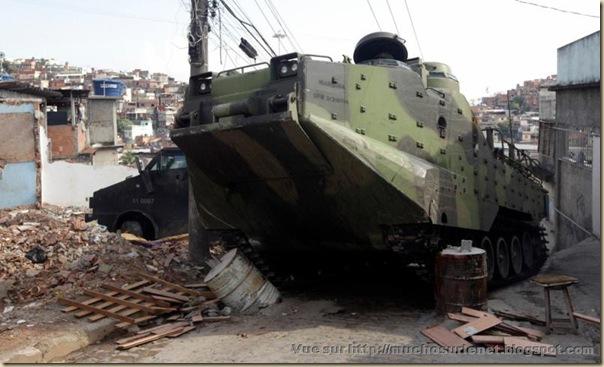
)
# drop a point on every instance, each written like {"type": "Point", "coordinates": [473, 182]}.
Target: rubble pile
{"type": "Point", "coordinates": [49, 252]}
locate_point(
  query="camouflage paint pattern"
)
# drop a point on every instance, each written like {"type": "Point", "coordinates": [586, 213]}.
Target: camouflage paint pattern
{"type": "Point", "coordinates": [336, 153]}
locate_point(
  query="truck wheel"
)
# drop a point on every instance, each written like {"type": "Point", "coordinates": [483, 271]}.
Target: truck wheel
{"type": "Point", "coordinates": [133, 227]}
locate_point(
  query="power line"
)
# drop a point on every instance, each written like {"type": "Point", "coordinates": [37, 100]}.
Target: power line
{"type": "Point", "coordinates": [285, 27]}
{"type": "Point", "coordinates": [279, 23]}
{"type": "Point", "coordinates": [558, 9]}
{"type": "Point", "coordinates": [392, 15]}
{"type": "Point", "coordinates": [374, 17]}
{"type": "Point", "coordinates": [414, 31]}
{"type": "Point", "coordinates": [265, 17]}
{"type": "Point", "coordinates": [276, 34]}
{"type": "Point", "coordinates": [245, 25]}
{"type": "Point", "coordinates": [98, 12]}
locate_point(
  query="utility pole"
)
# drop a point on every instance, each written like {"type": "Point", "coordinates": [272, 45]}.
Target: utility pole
{"type": "Point", "coordinates": [198, 37]}
{"type": "Point", "coordinates": [199, 247]}
{"type": "Point", "coordinates": [510, 119]}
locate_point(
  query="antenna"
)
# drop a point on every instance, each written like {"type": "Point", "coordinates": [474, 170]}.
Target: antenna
{"type": "Point", "coordinates": [279, 36]}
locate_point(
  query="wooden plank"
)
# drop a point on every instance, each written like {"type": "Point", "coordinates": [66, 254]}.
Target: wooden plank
{"type": "Point", "coordinates": [120, 308]}
{"type": "Point", "coordinates": [137, 306]}
{"type": "Point", "coordinates": [69, 302]}
{"type": "Point", "coordinates": [137, 321]}
{"type": "Point", "coordinates": [95, 300]}
{"type": "Point", "coordinates": [149, 338]}
{"type": "Point", "coordinates": [196, 318]}
{"type": "Point", "coordinates": [443, 337]}
{"type": "Point", "coordinates": [166, 299]}
{"type": "Point", "coordinates": [532, 333]}
{"type": "Point", "coordinates": [475, 313]}
{"type": "Point", "coordinates": [171, 285]}
{"type": "Point", "coordinates": [135, 295]}
{"type": "Point", "coordinates": [195, 285]}
{"type": "Point", "coordinates": [132, 338]}
{"type": "Point", "coordinates": [519, 317]}
{"type": "Point", "coordinates": [583, 317]}
{"type": "Point", "coordinates": [184, 330]}
{"type": "Point", "coordinates": [529, 347]}
{"type": "Point", "coordinates": [487, 339]}
{"type": "Point", "coordinates": [461, 317]}
{"type": "Point", "coordinates": [162, 327]}
{"type": "Point", "coordinates": [104, 305]}
{"type": "Point", "coordinates": [162, 293]}
{"type": "Point", "coordinates": [476, 326]}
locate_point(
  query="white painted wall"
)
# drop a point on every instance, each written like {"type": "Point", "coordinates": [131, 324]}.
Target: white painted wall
{"type": "Point", "coordinates": [70, 184]}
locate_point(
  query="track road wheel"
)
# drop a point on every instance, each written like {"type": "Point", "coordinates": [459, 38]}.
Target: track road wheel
{"type": "Point", "coordinates": [502, 253]}
{"type": "Point", "coordinates": [528, 251]}
{"type": "Point", "coordinates": [487, 246]}
{"type": "Point", "coordinates": [516, 255]}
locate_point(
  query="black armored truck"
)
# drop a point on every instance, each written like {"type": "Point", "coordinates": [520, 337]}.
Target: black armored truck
{"type": "Point", "coordinates": [151, 205]}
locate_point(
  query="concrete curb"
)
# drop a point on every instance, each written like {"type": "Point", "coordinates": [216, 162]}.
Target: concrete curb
{"type": "Point", "coordinates": [55, 345]}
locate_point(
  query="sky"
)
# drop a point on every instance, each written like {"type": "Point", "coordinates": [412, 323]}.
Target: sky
{"type": "Point", "coordinates": [490, 45]}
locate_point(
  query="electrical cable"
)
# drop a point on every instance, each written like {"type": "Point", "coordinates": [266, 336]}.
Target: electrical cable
{"type": "Point", "coordinates": [374, 16]}
{"type": "Point", "coordinates": [285, 27]}
{"type": "Point", "coordinates": [271, 53]}
{"type": "Point", "coordinates": [414, 31]}
{"type": "Point", "coordinates": [392, 15]}
{"type": "Point", "coordinates": [557, 9]}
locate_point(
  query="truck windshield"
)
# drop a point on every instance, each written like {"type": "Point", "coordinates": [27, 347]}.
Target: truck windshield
{"type": "Point", "coordinates": [167, 162]}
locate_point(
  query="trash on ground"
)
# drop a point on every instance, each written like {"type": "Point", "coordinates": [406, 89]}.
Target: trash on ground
{"type": "Point", "coordinates": [175, 308]}
{"type": "Point", "coordinates": [482, 328]}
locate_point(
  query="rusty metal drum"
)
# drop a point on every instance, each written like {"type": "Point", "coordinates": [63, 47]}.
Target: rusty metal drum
{"type": "Point", "coordinates": [237, 282]}
{"type": "Point", "coordinates": [461, 279]}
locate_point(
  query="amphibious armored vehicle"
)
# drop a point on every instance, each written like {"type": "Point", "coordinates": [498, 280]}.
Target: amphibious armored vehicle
{"type": "Point", "coordinates": [304, 155]}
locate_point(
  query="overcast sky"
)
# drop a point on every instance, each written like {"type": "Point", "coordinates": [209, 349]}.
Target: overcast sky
{"type": "Point", "coordinates": [489, 44]}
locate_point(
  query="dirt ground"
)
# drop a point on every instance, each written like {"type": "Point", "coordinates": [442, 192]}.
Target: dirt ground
{"type": "Point", "coordinates": [370, 319]}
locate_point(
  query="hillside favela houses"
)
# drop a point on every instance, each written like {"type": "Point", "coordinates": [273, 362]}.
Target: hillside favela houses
{"type": "Point", "coordinates": [65, 129]}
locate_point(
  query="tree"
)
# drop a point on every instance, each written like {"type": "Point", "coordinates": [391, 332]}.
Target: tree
{"type": "Point", "coordinates": [517, 103]}
{"type": "Point", "coordinates": [123, 125]}
{"type": "Point", "coordinates": [128, 158]}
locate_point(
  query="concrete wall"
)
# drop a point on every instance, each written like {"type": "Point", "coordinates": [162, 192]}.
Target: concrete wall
{"type": "Point", "coordinates": [70, 184]}
{"type": "Point", "coordinates": [102, 121]}
{"type": "Point", "coordinates": [16, 132]}
{"type": "Point", "coordinates": [574, 200]}
{"type": "Point", "coordinates": [18, 173]}
{"type": "Point", "coordinates": [62, 141]}
{"type": "Point", "coordinates": [547, 104]}
{"type": "Point", "coordinates": [579, 107]}
{"type": "Point", "coordinates": [579, 61]}
{"type": "Point", "coordinates": [18, 184]}
{"type": "Point", "coordinates": [105, 157]}
{"type": "Point", "coordinates": [595, 188]}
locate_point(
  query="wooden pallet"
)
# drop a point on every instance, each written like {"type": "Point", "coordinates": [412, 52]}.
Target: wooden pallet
{"type": "Point", "coordinates": [134, 303]}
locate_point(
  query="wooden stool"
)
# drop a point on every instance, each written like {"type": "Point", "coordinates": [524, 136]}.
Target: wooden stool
{"type": "Point", "coordinates": [552, 282]}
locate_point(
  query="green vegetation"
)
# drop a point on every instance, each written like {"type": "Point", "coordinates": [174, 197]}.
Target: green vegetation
{"type": "Point", "coordinates": [123, 125]}
{"type": "Point", "coordinates": [128, 158]}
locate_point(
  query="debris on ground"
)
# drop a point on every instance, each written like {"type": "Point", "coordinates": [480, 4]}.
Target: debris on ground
{"type": "Point", "coordinates": [48, 252]}
{"type": "Point", "coordinates": [487, 330]}
{"type": "Point", "coordinates": [175, 309]}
